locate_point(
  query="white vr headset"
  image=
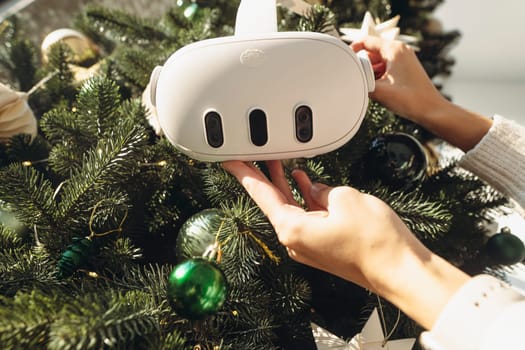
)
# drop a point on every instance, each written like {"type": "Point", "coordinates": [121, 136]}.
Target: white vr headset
{"type": "Point", "coordinates": [261, 94]}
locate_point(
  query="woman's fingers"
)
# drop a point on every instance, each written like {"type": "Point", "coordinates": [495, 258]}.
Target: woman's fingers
{"type": "Point", "coordinates": [305, 186]}
{"type": "Point", "coordinates": [274, 204]}
{"type": "Point", "coordinates": [275, 167]}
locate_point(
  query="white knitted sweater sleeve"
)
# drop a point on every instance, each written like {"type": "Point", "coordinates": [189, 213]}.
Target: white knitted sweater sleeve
{"type": "Point", "coordinates": [499, 158]}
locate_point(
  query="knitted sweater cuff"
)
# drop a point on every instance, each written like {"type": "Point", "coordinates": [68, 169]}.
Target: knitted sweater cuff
{"type": "Point", "coordinates": [499, 158]}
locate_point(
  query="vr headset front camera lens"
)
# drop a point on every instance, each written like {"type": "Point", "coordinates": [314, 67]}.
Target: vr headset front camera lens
{"type": "Point", "coordinates": [303, 124]}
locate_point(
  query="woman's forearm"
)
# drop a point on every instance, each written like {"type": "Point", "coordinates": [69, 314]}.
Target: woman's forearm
{"type": "Point", "coordinates": [456, 125]}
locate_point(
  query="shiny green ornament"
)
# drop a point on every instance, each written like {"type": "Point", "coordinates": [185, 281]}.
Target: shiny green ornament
{"type": "Point", "coordinates": [504, 248]}
{"type": "Point", "coordinates": [189, 8]}
{"type": "Point", "coordinates": [198, 233]}
{"type": "Point", "coordinates": [196, 288]}
{"type": "Point", "coordinates": [76, 255]}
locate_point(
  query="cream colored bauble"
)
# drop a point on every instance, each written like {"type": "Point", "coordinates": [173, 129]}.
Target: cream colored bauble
{"type": "Point", "coordinates": [15, 115]}
{"type": "Point", "coordinates": [83, 48]}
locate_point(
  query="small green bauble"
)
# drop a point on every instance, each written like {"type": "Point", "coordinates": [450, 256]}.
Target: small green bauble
{"type": "Point", "coordinates": [75, 256]}
{"type": "Point", "coordinates": [196, 288]}
{"type": "Point", "coordinates": [505, 248]}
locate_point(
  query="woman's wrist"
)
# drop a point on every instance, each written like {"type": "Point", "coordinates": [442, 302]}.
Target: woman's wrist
{"type": "Point", "coordinates": [454, 124]}
{"type": "Point", "coordinates": [419, 283]}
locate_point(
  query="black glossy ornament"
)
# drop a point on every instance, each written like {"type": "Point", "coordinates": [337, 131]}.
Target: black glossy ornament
{"type": "Point", "coordinates": [198, 233]}
{"type": "Point", "coordinates": [196, 288]}
{"type": "Point", "coordinates": [505, 248]}
{"type": "Point", "coordinates": [398, 159]}
{"type": "Point", "coordinates": [76, 255]}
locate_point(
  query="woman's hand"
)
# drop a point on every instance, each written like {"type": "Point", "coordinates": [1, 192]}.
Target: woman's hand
{"type": "Point", "coordinates": [352, 235]}
{"type": "Point", "coordinates": [402, 84]}
{"type": "Point", "coordinates": [404, 87]}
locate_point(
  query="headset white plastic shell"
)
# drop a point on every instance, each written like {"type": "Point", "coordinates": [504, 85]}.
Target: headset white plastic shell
{"type": "Point", "coordinates": [275, 72]}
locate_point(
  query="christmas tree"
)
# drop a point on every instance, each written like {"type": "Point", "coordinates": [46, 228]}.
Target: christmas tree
{"type": "Point", "coordinates": [106, 227]}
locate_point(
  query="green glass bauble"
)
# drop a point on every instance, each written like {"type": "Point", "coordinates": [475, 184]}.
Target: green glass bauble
{"type": "Point", "coordinates": [198, 233]}
{"type": "Point", "coordinates": [398, 159]}
{"type": "Point", "coordinates": [196, 288]}
{"type": "Point", "coordinates": [505, 248]}
{"type": "Point", "coordinates": [75, 256]}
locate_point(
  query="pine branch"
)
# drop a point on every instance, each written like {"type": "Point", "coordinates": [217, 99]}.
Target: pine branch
{"type": "Point", "coordinates": [25, 320]}
{"type": "Point", "coordinates": [170, 341]}
{"type": "Point", "coordinates": [103, 166]}
{"type": "Point", "coordinates": [23, 148]}
{"type": "Point", "coordinates": [136, 64]}
{"type": "Point", "coordinates": [318, 19]}
{"type": "Point", "coordinates": [62, 125]}
{"type": "Point", "coordinates": [126, 27]}
{"type": "Point", "coordinates": [23, 269]}
{"type": "Point", "coordinates": [220, 187]}
{"type": "Point", "coordinates": [246, 320]}
{"type": "Point", "coordinates": [105, 318]}
{"type": "Point", "coordinates": [24, 57]}
{"type": "Point", "coordinates": [118, 256]}
{"type": "Point", "coordinates": [9, 239]}
{"type": "Point", "coordinates": [248, 242]}
{"type": "Point", "coordinates": [59, 89]}
{"type": "Point", "coordinates": [452, 183]}
{"type": "Point", "coordinates": [97, 104]}
{"type": "Point", "coordinates": [291, 295]}
{"type": "Point", "coordinates": [134, 110]}
{"type": "Point", "coordinates": [428, 219]}
{"type": "Point", "coordinates": [29, 194]}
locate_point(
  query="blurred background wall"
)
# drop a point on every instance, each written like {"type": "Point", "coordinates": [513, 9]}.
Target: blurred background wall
{"type": "Point", "coordinates": [489, 74]}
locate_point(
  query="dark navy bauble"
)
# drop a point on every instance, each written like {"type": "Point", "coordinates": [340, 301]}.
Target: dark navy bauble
{"type": "Point", "coordinates": [397, 159]}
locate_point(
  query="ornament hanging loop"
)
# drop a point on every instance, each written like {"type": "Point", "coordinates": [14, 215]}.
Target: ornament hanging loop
{"type": "Point", "coordinates": [383, 321]}
{"type": "Point", "coordinates": [92, 233]}
{"type": "Point", "coordinates": [213, 252]}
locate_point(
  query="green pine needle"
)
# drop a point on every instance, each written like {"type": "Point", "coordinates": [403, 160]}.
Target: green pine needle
{"type": "Point", "coordinates": [318, 19]}
{"type": "Point", "coordinates": [125, 26]}
{"type": "Point", "coordinates": [29, 194]}
{"type": "Point", "coordinates": [97, 102]}
{"type": "Point", "coordinates": [426, 218]}
{"type": "Point", "coordinates": [9, 239]}
{"type": "Point", "coordinates": [102, 166]}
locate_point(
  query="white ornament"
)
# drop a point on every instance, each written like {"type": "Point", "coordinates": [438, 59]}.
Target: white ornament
{"type": "Point", "coordinates": [84, 51]}
{"type": "Point", "coordinates": [387, 30]}
{"type": "Point", "coordinates": [80, 44]}
{"type": "Point", "coordinates": [370, 338]}
{"type": "Point", "coordinates": [15, 115]}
